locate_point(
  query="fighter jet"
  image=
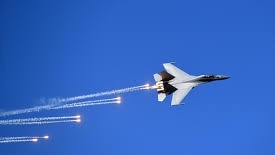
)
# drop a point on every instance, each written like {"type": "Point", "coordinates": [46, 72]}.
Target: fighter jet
{"type": "Point", "coordinates": [176, 81]}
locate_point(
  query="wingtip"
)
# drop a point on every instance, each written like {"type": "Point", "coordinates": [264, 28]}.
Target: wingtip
{"type": "Point", "coordinates": [173, 105]}
{"type": "Point", "coordinates": [173, 62]}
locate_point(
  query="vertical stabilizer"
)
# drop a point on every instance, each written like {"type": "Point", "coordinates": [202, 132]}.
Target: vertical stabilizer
{"type": "Point", "coordinates": [157, 77]}
{"type": "Point", "coordinates": [166, 76]}
{"type": "Point", "coordinates": [160, 87]}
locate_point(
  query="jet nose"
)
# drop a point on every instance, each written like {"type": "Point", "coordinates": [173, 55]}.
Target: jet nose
{"type": "Point", "coordinates": [225, 77]}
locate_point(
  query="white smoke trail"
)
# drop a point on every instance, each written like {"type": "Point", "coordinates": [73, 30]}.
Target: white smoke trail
{"type": "Point", "coordinates": [21, 139]}
{"type": "Point", "coordinates": [84, 104]}
{"type": "Point", "coordinates": [25, 137]}
{"type": "Point", "coordinates": [18, 140]}
{"type": "Point", "coordinates": [27, 110]}
{"type": "Point", "coordinates": [112, 92]}
{"type": "Point", "coordinates": [43, 122]}
{"type": "Point", "coordinates": [89, 103]}
{"type": "Point", "coordinates": [13, 138]}
{"type": "Point", "coordinates": [35, 119]}
{"type": "Point", "coordinates": [58, 102]}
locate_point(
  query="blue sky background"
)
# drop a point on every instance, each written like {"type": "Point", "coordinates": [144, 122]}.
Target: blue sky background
{"type": "Point", "coordinates": [68, 48]}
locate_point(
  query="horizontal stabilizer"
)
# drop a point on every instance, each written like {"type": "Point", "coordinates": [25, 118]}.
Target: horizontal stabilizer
{"type": "Point", "coordinates": [161, 96]}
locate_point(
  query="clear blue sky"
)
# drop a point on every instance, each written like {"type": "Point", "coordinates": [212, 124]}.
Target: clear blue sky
{"type": "Point", "coordinates": [68, 48]}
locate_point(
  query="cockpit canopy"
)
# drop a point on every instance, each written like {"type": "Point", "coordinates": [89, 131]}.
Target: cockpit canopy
{"type": "Point", "coordinates": [210, 76]}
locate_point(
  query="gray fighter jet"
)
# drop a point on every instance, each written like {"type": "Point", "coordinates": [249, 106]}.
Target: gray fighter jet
{"type": "Point", "coordinates": [176, 81]}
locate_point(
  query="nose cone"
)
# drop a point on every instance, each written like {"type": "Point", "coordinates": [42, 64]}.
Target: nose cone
{"type": "Point", "coordinates": [223, 77]}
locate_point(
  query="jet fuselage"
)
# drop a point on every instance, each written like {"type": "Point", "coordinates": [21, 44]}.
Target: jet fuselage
{"type": "Point", "coordinates": [168, 86]}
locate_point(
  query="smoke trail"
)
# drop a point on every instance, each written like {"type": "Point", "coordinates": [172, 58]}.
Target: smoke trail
{"type": "Point", "coordinates": [28, 110]}
{"type": "Point", "coordinates": [43, 122]}
{"type": "Point", "coordinates": [71, 105]}
{"type": "Point", "coordinates": [58, 102]}
{"type": "Point", "coordinates": [14, 138]}
{"type": "Point", "coordinates": [14, 121]}
{"type": "Point", "coordinates": [112, 92]}
{"type": "Point", "coordinates": [25, 137]}
{"type": "Point", "coordinates": [21, 139]}
{"type": "Point", "coordinates": [46, 107]}
{"type": "Point", "coordinates": [18, 140]}
{"type": "Point", "coordinates": [84, 104]}
{"type": "Point", "coordinates": [89, 103]}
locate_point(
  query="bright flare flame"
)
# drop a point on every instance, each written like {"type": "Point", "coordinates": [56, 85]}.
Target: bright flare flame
{"type": "Point", "coordinates": [78, 120]}
{"type": "Point", "coordinates": [118, 100]}
{"type": "Point", "coordinates": [77, 116]}
{"type": "Point", "coordinates": [35, 139]}
{"type": "Point", "coordinates": [46, 137]}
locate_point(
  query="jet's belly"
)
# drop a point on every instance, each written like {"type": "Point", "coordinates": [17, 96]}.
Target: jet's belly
{"type": "Point", "coordinates": [176, 81]}
{"type": "Point", "coordinates": [165, 87]}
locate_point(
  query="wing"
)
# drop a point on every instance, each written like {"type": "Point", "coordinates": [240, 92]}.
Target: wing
{"type": "Point", "coordinates": [175, 71]}
{"type": "Point", "coordinates": [183, 90]}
